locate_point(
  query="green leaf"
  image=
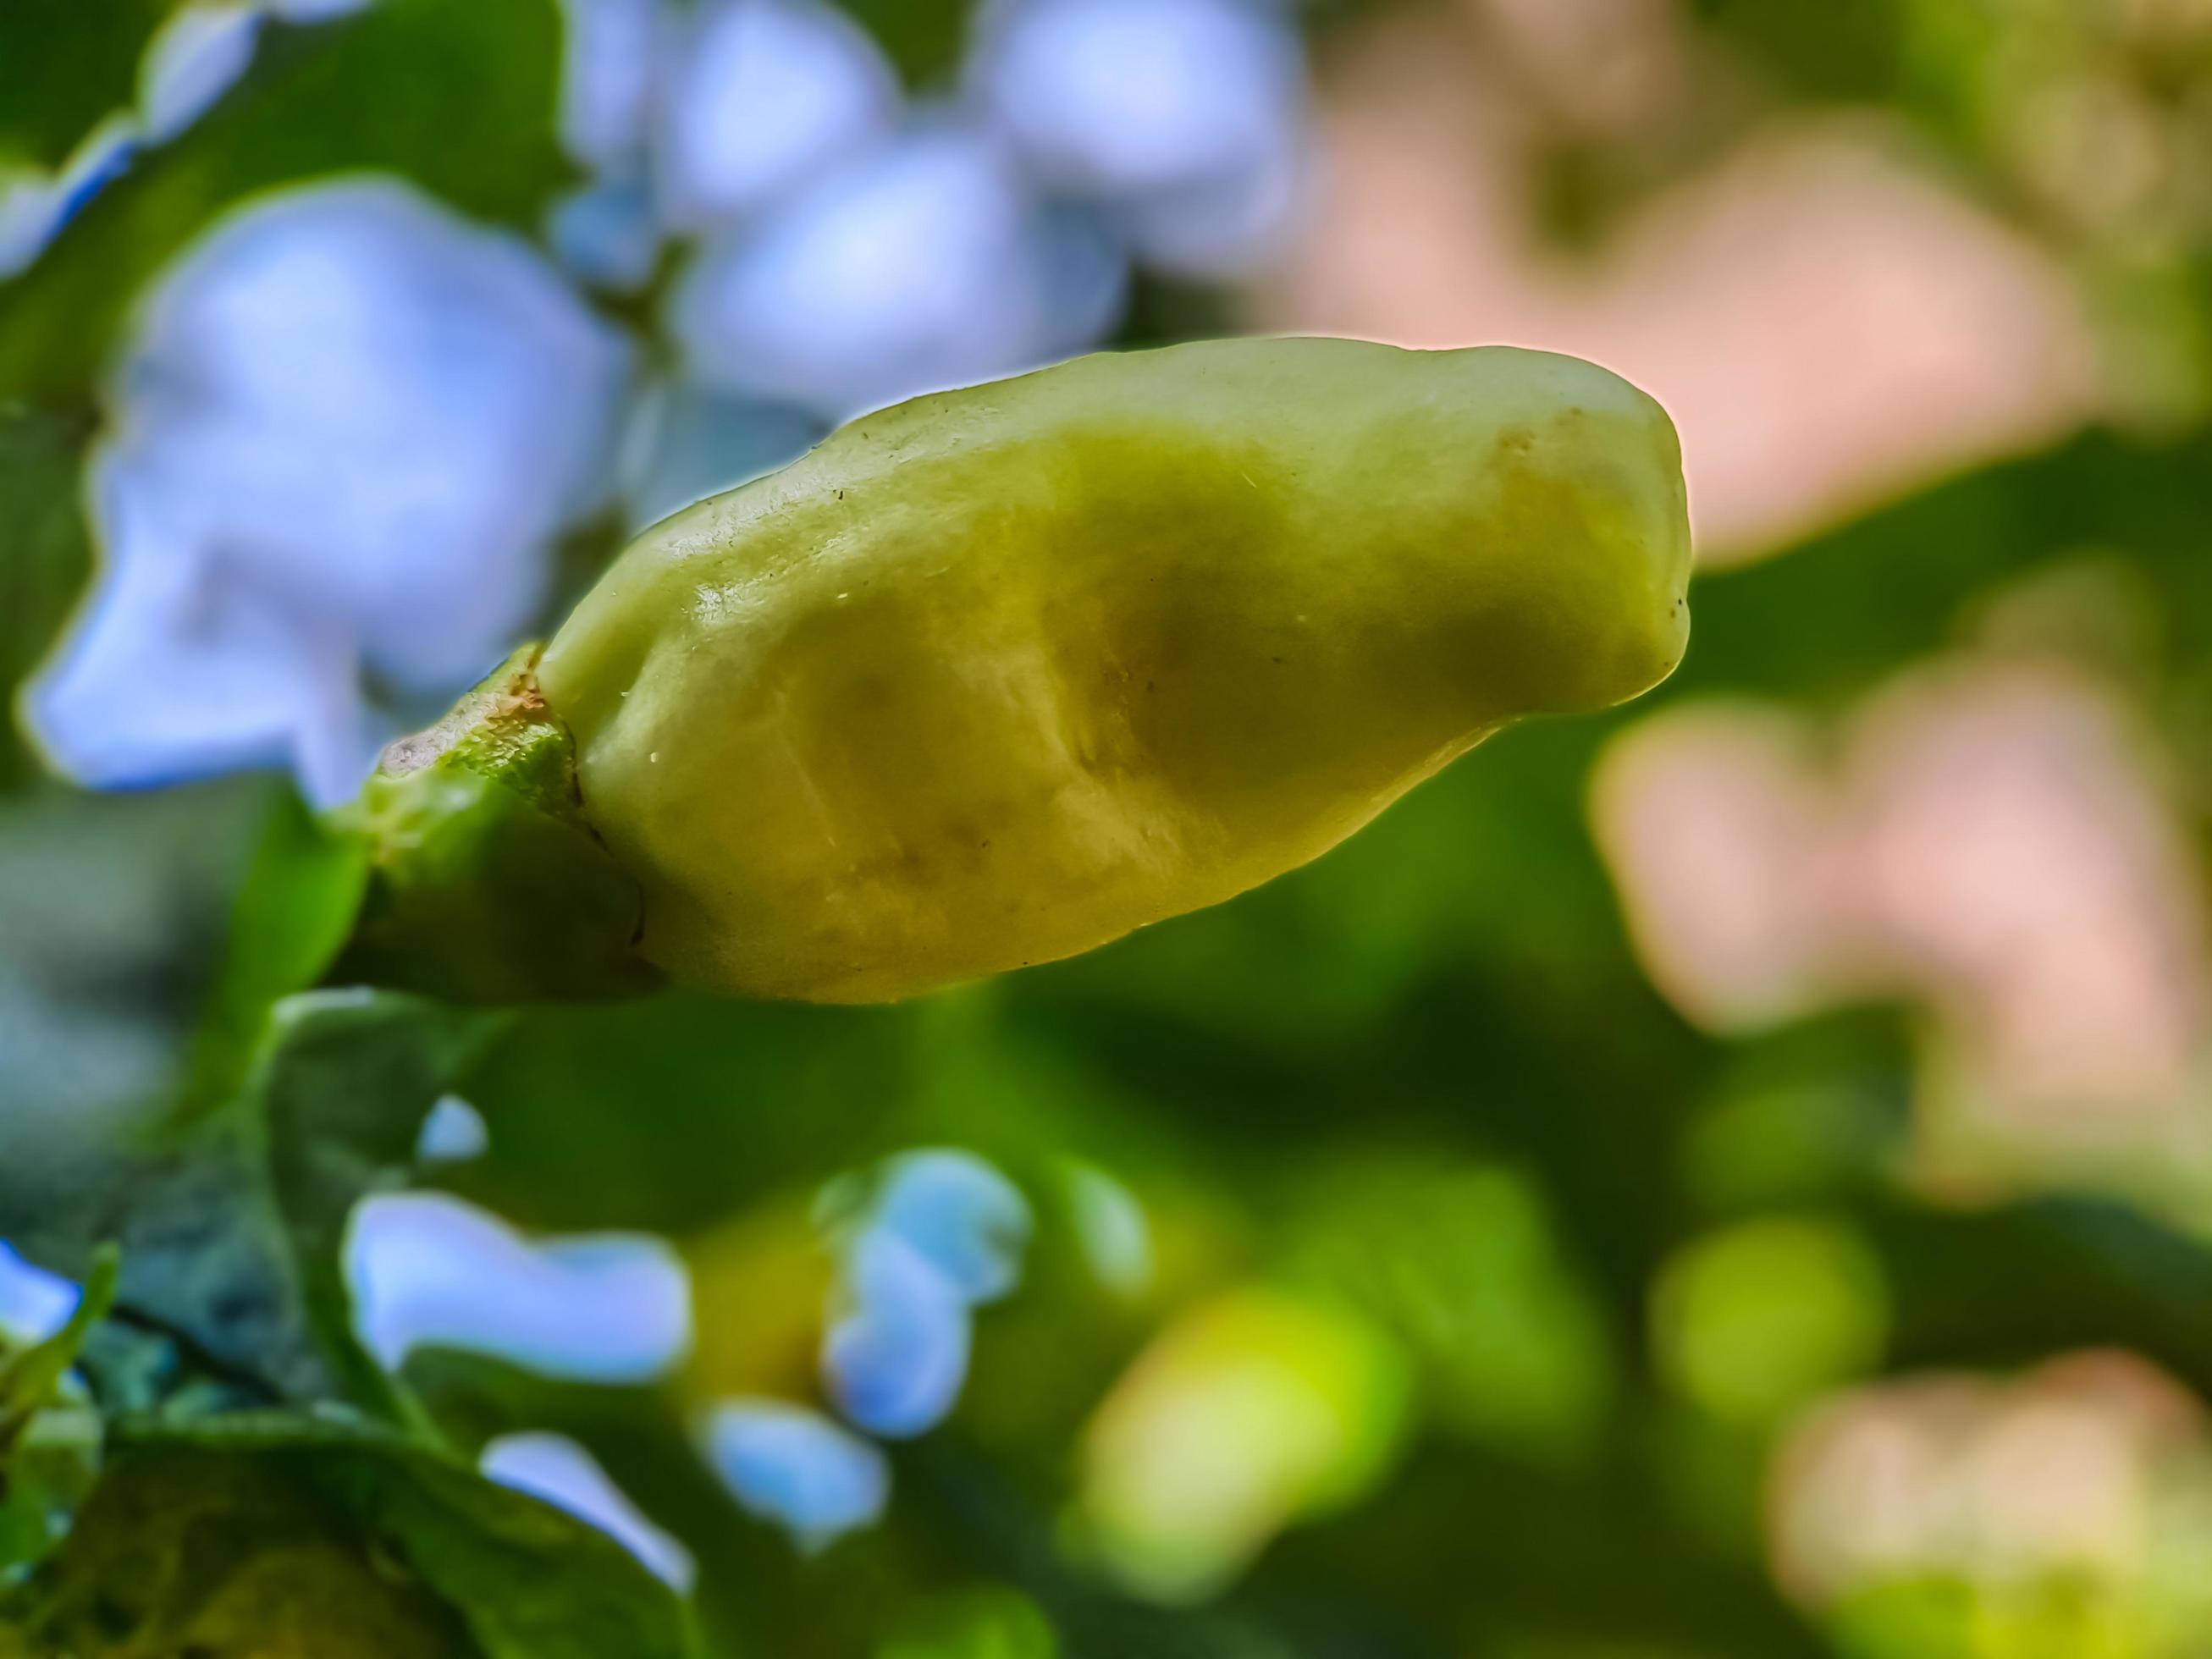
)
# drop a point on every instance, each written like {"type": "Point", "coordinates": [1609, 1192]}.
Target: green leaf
{"type": "Point", "coordinates": [267, 1529]}
{"type": "Point", "coordinates": [341, 1093]}
{"type": "Point", "coordinates": [923, 37]}
{"type": "Point", "coordinates": [231, 1229]}
{"type": "Point", "coordinates": [1825, 52]}
{"type": "Point", "coordinates": [48, 1447]}
{"type": "Point", "coordinates": [1460, 1261]}
{"type": "Point", "coordinates": [64, 65]}
{"type": "Point", "coordinates": [203, 1251]}
{"type": "Point", "coordinates": [292, 914]}
{"type": "Point", "coordinates": [179, 1551]}
{"type": "Point", "coordinates": [28, 1379]}
{"type": "Point", "coordinates": [47, 1477]}
{"type": "Point", "coordinates": [47, 556]}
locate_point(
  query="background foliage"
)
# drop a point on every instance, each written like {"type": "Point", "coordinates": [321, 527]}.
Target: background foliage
{"type": "Point", "coordinates": [1427, 1082]}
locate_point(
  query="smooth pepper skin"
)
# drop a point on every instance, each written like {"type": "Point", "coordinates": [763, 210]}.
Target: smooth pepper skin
{"type": "Point", "coordinates": [997, 675]}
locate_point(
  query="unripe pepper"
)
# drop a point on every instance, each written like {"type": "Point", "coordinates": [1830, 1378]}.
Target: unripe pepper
{"type": "Point", "coordinates": [1000, 674]}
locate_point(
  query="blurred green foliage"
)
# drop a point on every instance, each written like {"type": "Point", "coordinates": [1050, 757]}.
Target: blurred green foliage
{"type": "Point", "coordinates": [64, 65]}
{"type": "Point", "coordinates": [1854, 49]}
{"type": "Point", "coordinates": [47, 561]}
{"type": "Point", "coordinates": [1424, 1075]}
{"type": "Point", "coordinates": [1424, 1081]}
{"type": "Point", "coordinates": [286, 1537]}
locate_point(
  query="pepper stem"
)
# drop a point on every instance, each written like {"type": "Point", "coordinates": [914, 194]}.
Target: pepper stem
{"type": "Point", "coordinates": [486, 883]}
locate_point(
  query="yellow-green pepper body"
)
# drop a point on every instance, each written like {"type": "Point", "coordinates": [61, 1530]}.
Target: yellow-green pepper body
{"type": "Point", "coordinates": [998, 675]}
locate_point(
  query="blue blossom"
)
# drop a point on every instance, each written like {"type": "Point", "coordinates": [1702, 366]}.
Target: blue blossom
{"type": "Point", "coordinates": [196, 56]}
{"type": "Point", "coordinates": [35, 204]}
{"type": "Point", "coordinates": [920, 264]}
{"type": "Point", "coordinates": [895, 1361]}
{"type": "Point", "coordinates": [556, 1470]}
{"type": "Point", "coordinates": [428, 1270]}
{"type": "Point", "coordinates": [453, 1132]}
{"type": "Point", "coordinates": [693, 442]}
{"type": "Point", "coordinates": [793, 1466]}
{"type": "Point", "coordinates": [33, 1303]}
{"type": "Point", "coordinates": [942, 1232]}
{"type": "Point", "coordinates": [177, 670]}
{"type": "Point", "coordinates": [605, 236]}
{"type": "Point", "coordinates": [609, 68]}
{"type": "Point", "coordinates": [854, 255]}
{"type": "Point", "coordinates": [329, 456]}
{"type": "Point", "coordinates": [760, 95]}
{"type": "Point", "coordinates": [1182, 120]}
{"type": "Point", "coordinates": [960, 1215]}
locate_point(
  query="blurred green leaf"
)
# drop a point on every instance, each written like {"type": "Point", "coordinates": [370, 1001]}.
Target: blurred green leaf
{"type": "Point", "coordinates": [345, 1080]}
{"type": "Point", "coordinates": [989, 1623]}
{"type": "Point", "coordinates": [231, 1229]}
{"type": "Point", "coordinates": [675, 1110]}
{"type": "Point", "coordinates": [45, 557]}
{"type": "Point", "coordinates": [178, 1552]}
{"type": "Point", "coordinates": [1751, 1322]}
{"type": "Point", "coordinates": [318, 1536]}
{"type": "Point", "coordinates": [28, 1379]}
{"type": "Point", "coordinates": [48, 1449]}
{"type": "Point", "coordinates": [52, 1470]}
{"type": "Point", "coordinates": [1753, 1150]}
{"type": "Point", "coordinates": [1921, 1620]}
{"type": "Point", "coordinates": [1460, 1261]}
{"type": "Point", "coordinates": [110, 912]}
{"type": "Point", "coordinates": [64, 65]}
{"type": "Point", "coordinates": [203, 1256]}
{"type": "Point", "coordinates": [292, 914]}
{"type": "Point", "coordinates": [923, 37]}
{"type": "Point", "coordinates": [1839, 49]}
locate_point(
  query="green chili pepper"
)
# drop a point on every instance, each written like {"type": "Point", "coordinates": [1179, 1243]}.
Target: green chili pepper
{"type": "Point", "coordinates": [998, 675]}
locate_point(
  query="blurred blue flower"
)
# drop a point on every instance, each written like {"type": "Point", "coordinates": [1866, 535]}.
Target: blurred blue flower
{"type": "Point", "coordinates": [33, 1303]}
{"type": "Point", "coordinates": [855, 254]}
{"type": "Point", "coordinates": [34, 205]}
{"type": "Point", "coordinates": [896, 1360]}
{"type": "Point", "coordinates": [605, 236]}
{"type": "Point", "coordinates": [923, 263]}
{"type": "Point", "coordinates": [606, 231]}
{"type": "Point", "coordinates": [794, 1467]}
{"type": "Point", "coordinates": [960, 1215]}
{"type": "Point", "coordinates": [556, 1470]}
{"type": "Point", "coordinates": [691, 443]}
{"type": "Point", "coordinates": [610, 60]}
{"type": "Point", "coordinates": [454, 1132]}
{"type": "Point", "coordinates": [351, 425]}
{"type": "Point", "coordinates": [760, 95]}
{"type": "Point", "coordinates": [196, 56]}
{"type": "Point", "coordinates": [943, 1232]}
{"type": "Point", "coordinates": [1182, 120]}
{"type": "Point", "coordinates": [427, 1269]}
{"type": "Point", "coordinates": [177, 672]}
